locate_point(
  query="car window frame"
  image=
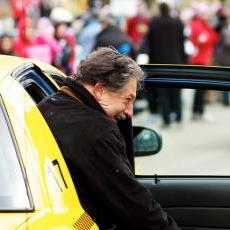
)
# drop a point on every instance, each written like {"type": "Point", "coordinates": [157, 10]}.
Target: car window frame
{"type": "Point", "coordinates": [183, 77]}
{"type": "Point", "coordinates": [20, 72]}
{"type": "Point", "coordinates": [186, 76]}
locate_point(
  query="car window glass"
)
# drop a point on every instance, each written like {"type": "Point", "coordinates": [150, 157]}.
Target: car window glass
{"type": "Point", "coordinates": [35, 91]}
{"type": "Point", "coordinates": [40, 79]}
{"type": "Point", "coordinates": [36, 84]}
{"type": "Point", "coordinates": [193, 143]}
{"type": "Point", "coordinates": [13, 191]}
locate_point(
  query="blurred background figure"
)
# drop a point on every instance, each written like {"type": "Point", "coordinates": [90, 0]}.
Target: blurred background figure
{"type": "Point", "coordinates": [137, 27]}
{"type": "Point", "coordinates": [25, 8]}
{"type": "Point", "coordinates": [64, 35]}
{"type": "Point", "coordinates": [45, 8]}
{"type": "Point", "coordinates": [222, 50]}
{"type": "Point", "coordinates": [18, 9]}
{"type": "Point", "coordinates": [204, 38]}
{"type": "Point", "coordinates": [112, 35]}
{"type": "Point", "coordinates": [90, 29]}
{"type": "Point", "coordinates": [25, 39]}
{"type": "Point", "coordinates": [45, 39]}
{"type": "Point", "coordinates": [32, 41]}
{"type": "Point", "coordinates": [166, 45]}
{"type": "Point", "coordinates": [6, 44]}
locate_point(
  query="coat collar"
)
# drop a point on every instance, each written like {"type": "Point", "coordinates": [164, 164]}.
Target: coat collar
{"type": "Point", "coordinates": [83, 95]}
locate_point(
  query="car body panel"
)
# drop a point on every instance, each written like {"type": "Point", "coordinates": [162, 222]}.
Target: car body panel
{"type": "Point", "coordinates": [54, 201]}
{"type": "Point", "coordinates": [10, 64]}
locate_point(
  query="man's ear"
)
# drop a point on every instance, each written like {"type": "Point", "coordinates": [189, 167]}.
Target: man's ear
{"type": "Point", "coordinates": [98, 90]}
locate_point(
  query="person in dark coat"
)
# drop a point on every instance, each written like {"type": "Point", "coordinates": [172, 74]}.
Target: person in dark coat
{"type": "Point", "coordinates": [111, 35]}
{"type": "Point", "coordinates": [83, 117]}
{"type": "Point", "coordinates": [166, 46]}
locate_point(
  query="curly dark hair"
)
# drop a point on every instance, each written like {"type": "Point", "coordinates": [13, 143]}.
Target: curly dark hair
{"type": "Point", "coordinates": [108, 67]}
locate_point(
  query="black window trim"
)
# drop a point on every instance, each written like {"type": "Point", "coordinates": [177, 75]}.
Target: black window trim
{"type": "Point", "coordinates": [21, 70]}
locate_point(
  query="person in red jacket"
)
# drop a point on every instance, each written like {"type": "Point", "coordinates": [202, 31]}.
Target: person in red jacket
{"type": "Point", "coordinates": [204, 39]}
{"type": "Point", "coordinates": [25, 38]}
{"type": "Point", "coordinates": [18, 9]}
{"type": "Point", "coordinates": [137, 26]}
{"type": "Point", "coordinates": [23, 8]}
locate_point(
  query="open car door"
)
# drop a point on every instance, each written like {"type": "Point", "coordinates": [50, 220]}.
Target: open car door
{"type": "Point", "coordinates": [190, 176]}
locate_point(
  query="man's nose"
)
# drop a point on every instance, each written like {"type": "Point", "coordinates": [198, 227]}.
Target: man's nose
{"type": "Point", "coordinates": [129, 110]}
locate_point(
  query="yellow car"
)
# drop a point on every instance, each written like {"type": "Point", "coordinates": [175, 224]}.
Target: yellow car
{"type": "Point", "coordinates": [37, 191]}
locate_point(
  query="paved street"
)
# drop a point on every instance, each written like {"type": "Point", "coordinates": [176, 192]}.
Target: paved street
{"type": "Point", "coordinates": [191, 148]}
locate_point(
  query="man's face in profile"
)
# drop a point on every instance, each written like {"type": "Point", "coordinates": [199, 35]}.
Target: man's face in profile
{"type": "Point", "coordinates": [119, 104]}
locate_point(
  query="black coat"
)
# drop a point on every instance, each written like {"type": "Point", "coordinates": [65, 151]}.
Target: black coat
{"type": "Point", "coordinates": [113, 36]}
{"type": "Point", "coordinates": [95, 153]}
{"type": "Point", "coordinates": [165, 41]}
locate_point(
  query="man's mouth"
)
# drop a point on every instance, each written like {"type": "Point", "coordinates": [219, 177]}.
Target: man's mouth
{"type": "Point", "coordinates": [120, 116]}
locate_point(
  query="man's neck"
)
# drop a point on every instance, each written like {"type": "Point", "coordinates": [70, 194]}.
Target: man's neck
{"type": "Point", "coordinates": [89, 88]}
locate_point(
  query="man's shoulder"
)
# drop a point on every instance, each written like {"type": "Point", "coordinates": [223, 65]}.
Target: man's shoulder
{"type": "Point", "coordinates": [75, 114]}
{"type": "Point", "coordinates": [56, 100]}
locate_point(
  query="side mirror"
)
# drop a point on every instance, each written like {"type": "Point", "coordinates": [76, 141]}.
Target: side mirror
{"type": "Point", "coordinates": [146, 141]}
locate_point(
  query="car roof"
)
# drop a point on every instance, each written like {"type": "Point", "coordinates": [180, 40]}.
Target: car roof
{"type": "Point", "coordinates": [9, 63]}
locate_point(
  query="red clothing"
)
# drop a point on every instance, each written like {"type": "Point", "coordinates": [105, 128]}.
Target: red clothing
{"type": "Point", "coordinates": [72, 42]}
{"type": "Point", "coordinates": [66, 58]}
{"type": "Point", "coordinates": [21, 42]}
{"type": "Point", "coordinates": [137, 28]}
{"type": "Point", "coordinates": [33, 47]}
{"type": "Point", "coordinates": [204, 38]}
{"type": "Point", "coordinates": [20, 8]}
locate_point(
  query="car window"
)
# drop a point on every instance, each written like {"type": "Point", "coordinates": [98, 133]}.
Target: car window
{"type": "Point", "coordinates": [194, 143]}
{"type": "Point", "coordinates": [14, 195]}
{"type": "Point", "coordinates": [36, 84]}
{"type": "Point", "coordinates": [35, 91]}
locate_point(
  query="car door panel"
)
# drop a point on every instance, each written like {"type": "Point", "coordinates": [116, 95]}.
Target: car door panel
{"type": "Point", "coordinates": [195, 202]}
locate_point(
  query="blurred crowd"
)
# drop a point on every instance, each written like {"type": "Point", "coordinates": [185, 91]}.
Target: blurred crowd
{"type": "Point", "coordinates": [51, 33]}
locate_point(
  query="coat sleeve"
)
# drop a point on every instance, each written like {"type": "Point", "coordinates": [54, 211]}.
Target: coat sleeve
{"type": "Point", "coordinates": [130, 203]}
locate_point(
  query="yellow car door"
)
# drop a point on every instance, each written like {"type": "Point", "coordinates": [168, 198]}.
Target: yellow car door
{"type": "Point", "coordinates": [38, 190]}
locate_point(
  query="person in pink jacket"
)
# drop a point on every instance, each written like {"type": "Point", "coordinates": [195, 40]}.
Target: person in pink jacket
{"type": "Point", "coordinates": [45, 39]}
